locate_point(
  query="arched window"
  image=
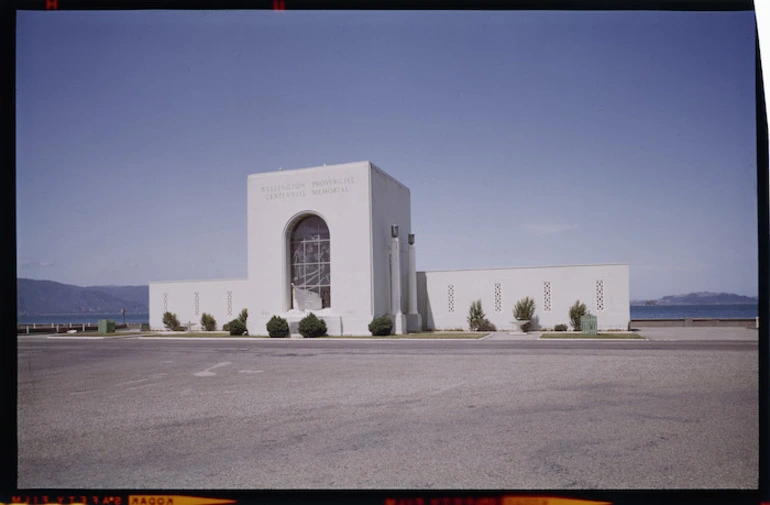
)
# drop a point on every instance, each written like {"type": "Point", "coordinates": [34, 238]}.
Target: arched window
{"type": "Point", "coordinates": [310, 265]}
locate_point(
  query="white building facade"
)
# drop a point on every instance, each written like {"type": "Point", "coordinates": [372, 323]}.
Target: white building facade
{"type": "Point", "coordinates": [337, 241]}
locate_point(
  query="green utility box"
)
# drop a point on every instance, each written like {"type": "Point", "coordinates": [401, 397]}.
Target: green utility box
{"type": "Point", "coordinates": [588, 325]}
{"type": "Point", "coordinates": [106, 326]}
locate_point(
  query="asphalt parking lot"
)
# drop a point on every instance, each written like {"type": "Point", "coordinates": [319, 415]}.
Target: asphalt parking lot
{"type": "Point", "coordinates": [149, 413]}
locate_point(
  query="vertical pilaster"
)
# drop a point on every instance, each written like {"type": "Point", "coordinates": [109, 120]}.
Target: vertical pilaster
{"type": "Point", "coordinates": [413, 319]}
{"type": "Point", "coordinates": [395, 282]}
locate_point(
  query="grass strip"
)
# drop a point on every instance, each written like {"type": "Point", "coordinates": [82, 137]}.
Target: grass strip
{"type": "Point", "coordinates": [202, 334]}
{"type": "Point", "coordinates": [95, 334]}
{"type": "Point", "coordinates": [424, 336]}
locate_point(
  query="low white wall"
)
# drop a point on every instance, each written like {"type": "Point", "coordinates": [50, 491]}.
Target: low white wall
{"type": "Point", "coordinates": [444, 297]}
{"type": "Point", "coordinates": [179, 298]}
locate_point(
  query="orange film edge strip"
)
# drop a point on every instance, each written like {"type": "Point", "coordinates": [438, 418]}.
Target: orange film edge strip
{"type": "Point", "coordinates": [548, 500]}
{"type": "Point", "coordinates": [139, 499]}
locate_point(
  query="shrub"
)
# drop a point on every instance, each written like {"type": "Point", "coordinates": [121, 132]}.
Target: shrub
{"type": "Point", "coordinates": [278, 327]}
{"type": "Point", "coordinates": [311, 327]}
{"type": "Point", "coordinates": [476, 316]}
{"type": "Point", "coordinates": [208, 322]}
{"type": "Point", "coordinates": [170, 321]}
{"type": "Point", "coordinates": [524, 309]}
{"type": "Point", "coordinates": [226, 327]}
{"type": "Point", "coordinates": [486, 325]}
{"type": "Point", "coordinates": [237, 327]}
{"type": "Point", "coordinates": [380, 326]}
{"type": "Point", "coordinates": [576, 312]}
{"type": "Point", "coordinates": [243, 316]}
{"type": "Point", "coordinates": [560, 327]}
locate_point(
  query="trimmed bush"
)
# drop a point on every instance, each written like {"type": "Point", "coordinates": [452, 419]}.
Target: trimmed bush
{"type": "Point", "coordinates": [312, 327]}
{"type": "Point", "coordinates": [237, 327]}
{"type": "Point", "coordinates": [208, 322]}
{"type": "Point", "coordinates": [170, 321]}
{"type": "Point", "coordinates": [476, 316]}
{"type": "Point", "coordinates": [485, 325]}
{"type": "Point", "coordinates": [560, 327]}
{"type": "Point", "coordinates": [577, 311]}
{"type": "Point", "coordinates": [226, 327]}
{"type": "Point", "coordinates": [380, 326]}
{"type": "Point", "coordinates": [278, 327]}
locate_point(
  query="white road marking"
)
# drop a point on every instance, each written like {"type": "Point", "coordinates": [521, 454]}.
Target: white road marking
{"type": "Point", "coordinates": [249, 371]}
{"type": "Point", "coordinates": [208, 373]}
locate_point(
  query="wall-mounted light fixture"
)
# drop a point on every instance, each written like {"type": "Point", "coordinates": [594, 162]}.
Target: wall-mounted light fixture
{"type": "Point", "coordinates": [394, 230]}
{"type": "Point", "coordinates": [411, 239]}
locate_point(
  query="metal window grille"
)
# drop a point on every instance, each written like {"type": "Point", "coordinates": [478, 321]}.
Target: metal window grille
{"type": "Point", "coordinates": [547, 296]}
{"type": "Point", "coordinates": [451, 297]}
{"type": "Point", "coordinates": [165, 302]}
{"type": "Point", "coordinates": [498, 298]}
{"type": "Point", "coordinates": [229, 303]}
{"type": "Point", "coordinates": [197, 304]}
{"type": "Point", "coordinates": [310, 253]}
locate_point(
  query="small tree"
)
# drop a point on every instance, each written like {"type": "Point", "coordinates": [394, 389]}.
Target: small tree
{"type": "Point", "coordinates": [170, 321]}
{"type": "Point", "coordinates": [311, 327]}
{"type": "Point", "coordinates": [243, 316]}
{"type": "Point", "coordinates": [577, 311]}
{"type": "Point", "coordinates": [476, 316]}
{"type": "Point", "coordinates": [381, 326]}
{"type": "Point", "coordinates": [208, 322]}
{"type": "Point", "coordinates": [278, 327]}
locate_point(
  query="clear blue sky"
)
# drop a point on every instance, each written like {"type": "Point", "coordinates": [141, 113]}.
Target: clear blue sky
{"type": "Point", "coordinates": [526, 138]}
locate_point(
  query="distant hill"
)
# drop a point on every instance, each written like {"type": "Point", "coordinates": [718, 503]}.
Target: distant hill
{"type": "Point", "coordinates": [700, 298]}
{"type": "Point", "coordinates": [36, 298]}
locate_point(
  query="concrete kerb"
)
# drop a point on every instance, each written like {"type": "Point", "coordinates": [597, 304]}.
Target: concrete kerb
{"type": "Point", "coordinates": [535, 336]}
{"type": "Point", "coordinates": [706, 333]}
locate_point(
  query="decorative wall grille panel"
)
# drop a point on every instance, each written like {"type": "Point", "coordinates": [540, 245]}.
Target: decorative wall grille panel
{"type": "Point", "coordinates": [547, 296]}
{"type": "Point", "coordinates": [229, 303]}
{"type": "Point", "coordinates": [498, 298]}
{"type": "Point", "coordinates": [451, 297]}
{"type": "Point", "coordinates": [165, 302]}
{"type": "Point", "coordinates": [197, 303]}
{"type": "Point", "coordinates": [599, 295]}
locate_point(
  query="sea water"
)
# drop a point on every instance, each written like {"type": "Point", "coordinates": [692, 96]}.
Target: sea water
{"type": "Point", "coordinates": [83, 318]}
{"type": "Point", "coordinates": [747, 311]}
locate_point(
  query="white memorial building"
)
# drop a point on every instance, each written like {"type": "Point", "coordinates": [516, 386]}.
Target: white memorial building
{"type": "Point", "coordinates": [337, 241]}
